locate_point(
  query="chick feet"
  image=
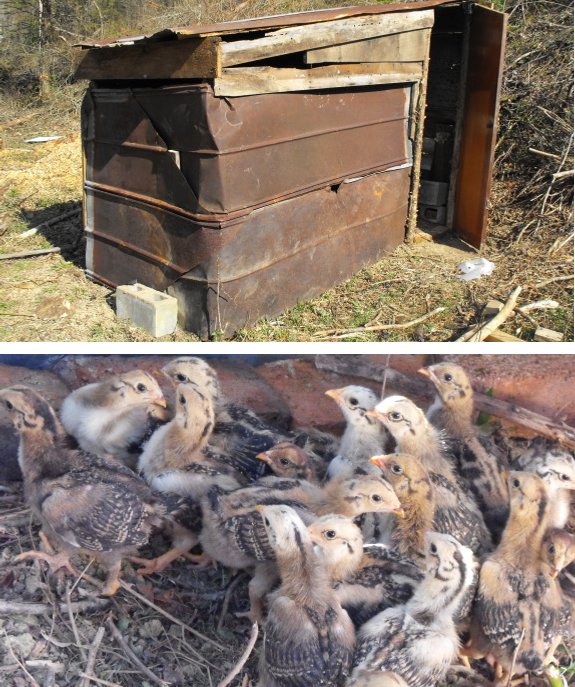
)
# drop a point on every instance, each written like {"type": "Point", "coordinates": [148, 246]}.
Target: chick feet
{"type": "Point", "coordinates": [153, 565]}
{"type": "Point", "coordinates": [56, 561]}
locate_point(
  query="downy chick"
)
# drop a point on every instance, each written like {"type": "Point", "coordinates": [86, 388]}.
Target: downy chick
{"type": "Point", "coordinates": [309, 638]}
{"type": "Point", "coordinates": [117, 416]}
{"type": "Point", "coordinates": [363, 437]}
{"type": "Point", "coordinates": [456, 511]}
{"type": "Point", "coordinates": [516, 593]}
{"type": "Point", "coordinates": [85, 504]}
{"type": "Point", "coordinates": [558, 554]}
{"type": "Point", "coordinates": [481, 464]}
{"type": "Point", "coordinates": [178, 463]}
{"type": "Point", "coordinates": [556, 468]}
{"type": "Point", "coordinates": [366, 579]}
{"type": "Point", "coordinates": [288, 460]}
{"type": "Point", "coordinates": [239, 432]}
{"type": "Point", "coordinates": [418, 640]}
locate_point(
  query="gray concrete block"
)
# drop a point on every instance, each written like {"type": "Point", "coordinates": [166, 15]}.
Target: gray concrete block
{"type": "Point", "coordinates": [433, 192]}
{"type": "Point", "coordinates": [154, 311]}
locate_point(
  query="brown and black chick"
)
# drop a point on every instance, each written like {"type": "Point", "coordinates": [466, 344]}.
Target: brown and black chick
{"type": "Point", "coordinates": [364, 436]}
{"type": "Point", "coordinates": [178, 463]}
{"type": "Point", "coordinates": [86, 505]}
{"type": "Point", "coordinates": [418, 640]}
{"type": "Point", "coordinates": [309, 639]}
{"type": "Point", "coordinates": [518, 604]}
{"type": "Point", "coordinates": [558, 554]}
{"type": "Point", "coordinates": [366, 579]}
{"type": "Point", "coordinates": [480, 463]}
{"type": "Point", "coordinates": [289, 461]}
{"type": "Point", "coordinates": [115, 417]}
{"type": "Point", "coordinates": [456, 511]}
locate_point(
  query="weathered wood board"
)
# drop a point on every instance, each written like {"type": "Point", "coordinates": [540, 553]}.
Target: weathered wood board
{"type": "Point", "coordinates": [408, 46]}
{"type": "Point", "coordinates": [240, 81]}
{"type": "Point", "coordinates": [190, 58]}
{"type": "Point", "coordinates": [312, 36]}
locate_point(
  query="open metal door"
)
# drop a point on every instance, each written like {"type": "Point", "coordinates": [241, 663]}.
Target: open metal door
{"type": "Point", "coordinates": [479, 130]}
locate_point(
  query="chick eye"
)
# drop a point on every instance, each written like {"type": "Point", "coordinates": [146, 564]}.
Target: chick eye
{"type": "Point", "coordinates": [284, 461]}
{"type": "Point", "coordinates": [516, 483]}
{"type": "Point", "coordinates": [141, 387]}
{"type": "Point", "coordinates": [397, 469]}
{"type": "Point", "coordinates": [377, 498]}
{"type": "Point", "coordinates": [9, 405]}
{"type": "Point", "coordinates": [353, 401]}
{"type": "Point", "coordinates": [395, 416]}
{"type": "Point", "coordinates": [448, 377]}
{"type": "Point", "coordinates": [183, 400]}
{"type": "Point", "coordinates": [551, 550]}
{"type": "Point", "coordinates": [329, 534]}
{"type": "Point", "coordinates": [564, 477]}
{"type": "Point", "coordinates": [433, 548]}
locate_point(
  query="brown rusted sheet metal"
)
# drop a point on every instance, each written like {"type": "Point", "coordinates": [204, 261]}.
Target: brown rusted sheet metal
{"type": "Point", "coordinates": [211, 159]}
{"type": "Point", "coordinates": [230, 274]}
{"type": "Point", "coordinates": [479, 132]}
{"type": "Point", "coordinates": [263, 23]}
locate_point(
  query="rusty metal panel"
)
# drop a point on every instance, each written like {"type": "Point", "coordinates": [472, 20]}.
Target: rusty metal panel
{"type": "Point", "coordinates": [230, 274]}
{"type": "Point", "coordinates": [479, 132]}
{"type": "Point", "coordinates": [264, 23]}
{"type": "Point", "coordinates": [187, 150]}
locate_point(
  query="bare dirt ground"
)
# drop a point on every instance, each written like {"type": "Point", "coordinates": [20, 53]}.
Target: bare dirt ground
{"type": "Point", "coordinates": [530, 239]}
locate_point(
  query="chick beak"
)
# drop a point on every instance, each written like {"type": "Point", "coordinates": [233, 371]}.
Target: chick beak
{"type": "Point", "coordinates": [399, 512]}
{"type": "Point", "coordinates": [263, 456]}
{"type": "Point", "coordinates": [554, 572]}
{"type": "Point", "coordinates": [160, 401]}
{"type": "Point", "coordinates": [379, 461]}
{"type": "Point", "coordinates": [425, 372]}
{"type": "Point", "coordinates": [374, 413]}
{"type": "Point", "coordinates": [259, 508]}
{"type": "Point", "coordinates": [334, 393]}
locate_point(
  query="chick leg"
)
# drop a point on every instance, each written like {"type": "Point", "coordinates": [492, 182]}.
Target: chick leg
{"type": "Point", "coordinates": [56, 561]}
{"type": "Point", "coordinates": [113, 580]}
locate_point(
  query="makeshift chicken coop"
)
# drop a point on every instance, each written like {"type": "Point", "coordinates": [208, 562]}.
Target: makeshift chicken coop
{"type": "Point", "coordinates": [247, 166]}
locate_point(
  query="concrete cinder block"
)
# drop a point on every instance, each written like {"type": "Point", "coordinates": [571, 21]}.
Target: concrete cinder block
{"type": "Point", "coordinates": [433, 192]}
{"type": "Point", "coordinates": [154, 311]}
{"type": "Point", "coordinates": [432, 213]}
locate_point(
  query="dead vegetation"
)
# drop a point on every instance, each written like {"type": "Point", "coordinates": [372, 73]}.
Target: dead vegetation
{"type": "Point", "coordinates": [531, 220]}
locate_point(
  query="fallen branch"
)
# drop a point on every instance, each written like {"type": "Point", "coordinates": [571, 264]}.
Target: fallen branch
{"type": "Point", "coordinates": [354, 366]}
{"type": "Point", "coordinates": [16, 607]}
{"type": "Point", "coordinates": [132, 657]}
{"type": "Point", "coordinates": [480, 333]}
{"type": "Point", "coordinates": [542, 153]}
{"type": "Point", "coordinates": [243, 658]}
{"type": "Point", "coordinates": [93, 652]}
{"type": "Point", "coordinates": [99, 681]}
{"type": "Point", "coordinates": [50, 222]}
{"type": "Point", "coordinates": [544, 304]}
{"type": "Point", "coordinates": [563, 175]}
{"type": "Point", "coordinates": [29, 253]}
{"type": "Point", "coordinates": [343, 333]}
{"type": "Point", "coordinates": [543, 283]}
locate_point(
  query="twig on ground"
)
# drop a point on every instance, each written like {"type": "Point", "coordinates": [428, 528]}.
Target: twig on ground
{"type": "Point", "coordinates": [49, 222]}
{"type": "Point", "coordinates": [542, 153]}
{"type": "Point", "coordinates": [343, 333]}
{"type": "Point", "coordinates": [73, 624]}
{"type": "Point", "coordinates": [169, 616]}
{"type": "Point", "coordinates": [243, 658]}
{"type": "Point", "coordinates": [16, 607]}
{"type": "Point", "coordinates": [231, 586]}
{"type": "Point", "coordinates": [541, 284]}
{"type": "Point", "coordinates": [29, 253]}
{"type": "Point", "coordinates": [479, 333]}
{"type": "Point", "coordinates": [92, 653]}
{"type": "Point", "coordinates": [99, 681]}
{"type": "Point", "coordinates": [132, 657]}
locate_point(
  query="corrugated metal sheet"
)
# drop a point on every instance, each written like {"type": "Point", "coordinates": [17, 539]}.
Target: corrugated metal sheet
{"type": "Point", "coordinates": [265, 23]}
{"type": "Point", "coordinates": [227, 275]}
{"type": "Point", "coordinates": [182, 147]}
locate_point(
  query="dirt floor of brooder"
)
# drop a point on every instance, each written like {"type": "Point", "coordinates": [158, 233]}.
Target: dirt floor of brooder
{"type": "Point", "coordinates": [48, 298]}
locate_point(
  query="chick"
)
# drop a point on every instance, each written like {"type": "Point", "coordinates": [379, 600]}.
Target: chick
{"type": "Point", "coordinates": [418, 640]}
{"type": "Point", "coordinates": [239, 432]}
{"type": "Point", "coordinates": [558, 554]}
{"type": "Point", "coordinates": [309, 639]}
{"type": "Point", "coordinates": [117, 416]}
{"type": "Point", "coordinates": [480, 463]}
{"type": "Point", "coordinates": [363, 437]}
{"type": "Point", "coordinates": [289, 460]}
{"type": "Point", "coordinates": [366, 579]}
{"type": "Point", "coordinates": [178, 463]}
{"type": "Point", "coordinates": [386, 679]}
{"type": "Point", "coordinates": [557, 468]}
{"type": "Point", "coordinates": [86, 505]}
{"type": "Point", "coordinates": [456, 511]}
{"type": "Point", "coordinates": [516, 593]}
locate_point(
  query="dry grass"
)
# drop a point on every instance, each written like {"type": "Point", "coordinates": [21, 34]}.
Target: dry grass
{"type": "Point", "coordinates": [531, 225]}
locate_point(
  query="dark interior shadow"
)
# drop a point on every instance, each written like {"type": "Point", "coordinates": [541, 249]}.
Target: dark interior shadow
{"type": "Point", "coordinates": [67, 234]}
